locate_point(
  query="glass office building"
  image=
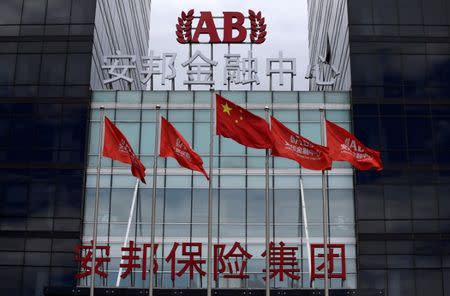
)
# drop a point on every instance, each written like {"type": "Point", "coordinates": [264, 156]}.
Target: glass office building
{"type": "Point", "coordinates": [238, 185]}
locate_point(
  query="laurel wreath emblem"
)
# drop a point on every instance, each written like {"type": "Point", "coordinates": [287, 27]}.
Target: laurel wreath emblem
{"type": "Point", "coordinates": [184, 27]}
{"type": "Point", "coordinates": [258, 27]}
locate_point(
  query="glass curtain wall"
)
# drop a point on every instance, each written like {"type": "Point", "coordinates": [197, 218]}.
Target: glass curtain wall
{"type": "Point", "coordinates": [238, 205]}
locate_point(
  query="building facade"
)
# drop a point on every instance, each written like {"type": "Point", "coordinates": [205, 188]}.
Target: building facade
{"type": "Point", "coordinates": [382, 66]}
{"type": "Point", "coordinates": [45, 61]}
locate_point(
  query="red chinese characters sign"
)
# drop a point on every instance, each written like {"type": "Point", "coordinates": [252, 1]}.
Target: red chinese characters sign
{"type": "Point", "coordinates": [234, 30]}
{"type": "Point", "coordinates": [228, 261]}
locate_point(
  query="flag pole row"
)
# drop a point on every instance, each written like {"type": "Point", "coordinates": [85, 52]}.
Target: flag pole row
{"type": "Point", "coordinates": [242, 126]}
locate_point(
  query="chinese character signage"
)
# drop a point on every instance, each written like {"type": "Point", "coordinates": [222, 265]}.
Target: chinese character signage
{"type": "Point", "coordinates": [230, 261]}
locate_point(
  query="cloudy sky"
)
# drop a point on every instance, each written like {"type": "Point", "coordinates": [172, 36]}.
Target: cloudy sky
{"type": "Point", "coordinates": [287, 31]}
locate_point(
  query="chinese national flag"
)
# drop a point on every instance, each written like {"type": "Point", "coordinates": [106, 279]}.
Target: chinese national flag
{"type": "Point", "coordinates": [174, 145]}
{"type": "Point", "coordinates": [116, 146]}
{"type": "Point", "coordinates": [293, 146]}
{"type": "Point", "coordinates": [244, 127]}
{"type": "Point", "coordinates": [345, 146]}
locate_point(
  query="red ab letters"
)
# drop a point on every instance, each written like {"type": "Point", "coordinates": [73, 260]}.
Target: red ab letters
{"type": "Point", "coordinates": [234, 30]}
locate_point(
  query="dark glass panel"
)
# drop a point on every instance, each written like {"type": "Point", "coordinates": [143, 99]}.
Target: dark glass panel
{"type": "Point", "coordinates": [10, 12]}
{"type": "Point", "coordinates": [62, 277]}
{"type": "Point", "coordinates": [419, 133]}
{"type": "Point", "coordinates": [414, 69]}
{"type": "Point", "coordinates": [47, 133]}
{"type": "Point", "coordinates": [434, 12]}
{"type": "Point", "coordinates": [372, 247]}
{"type": "Point", "coordinates": [14, 200]}
{"type": "Point", "coordinates": [384, 12]}
{"type": "Point", "coordinates": [438, 70]}
{"type": "Point", "coordinates": [53, 68]}
{"type": "Point", "coordinates": [78, 68]}
{"type": "Point", "coordinates": [36, 279]}
{"type": "Point", "coordinates": [58, 11]}
{"type": "Point", "coordinates": [83, 11]}
{"type": "Point", "coordinates": [428, 282]}
{"type": "Point", "coordinates": [369, 202]}
{"type": "Point", "coordinates": [444, 201]}
{"type": "Point", "coordinates": [397, 202]}
{"type": "Point", "coordinates": [391, 109]}
{"type": "Point", "coordinates": [372, 279]}
{"type": "Point", "coordinates": [424, 202]}
{"type": "Point", "coordinates": [27, 70]}
{"type": "Point", "coordinates": [361, 128]}
{"type": "Point", "coordinates": [10, 280]}
{"type": "Point", "coordinates": [365, 110]}
{"type": "Point", "coordinates": [401, 282]}
{"type": "Point", "coordinates": [393, 132]}
{"type": "Point", "coordinates": [360, 73]}
{"type": "Point", "coordinates": [38, 244]}
{"type": "Point", "coordinates": [33, 11]}
{"type": "Point", "coordinates": [360, 12]}
{"type": "Point", "coordinates": [7, 67]}
{"type": "Point", "coordinates": [68, 201]}
{"type": "Point", "coordinates": [410, 12]}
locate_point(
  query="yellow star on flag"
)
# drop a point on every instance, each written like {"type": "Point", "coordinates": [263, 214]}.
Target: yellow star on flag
{"type": "Point", "coordinates": [227, 109]}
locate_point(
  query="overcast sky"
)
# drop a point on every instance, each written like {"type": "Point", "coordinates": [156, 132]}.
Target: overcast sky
{"type": "Point", "coordinates": [287, 30]}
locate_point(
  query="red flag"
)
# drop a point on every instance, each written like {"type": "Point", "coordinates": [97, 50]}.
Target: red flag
{"type": "Point", "coordinates": [244, 127]}
{"type": "Point", "coordinates": [174, 145]}
{"type": "Point", "coordinates": [116, 146]}
{"type": "Point", "coordinates": [293, 146]}
{"type": "Point", "coordinates": [345, 146]}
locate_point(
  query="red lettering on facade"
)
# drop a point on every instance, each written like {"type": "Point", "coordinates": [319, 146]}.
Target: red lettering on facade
{"type": "Point", "coordinates": [83, 254]}
{"type": "Point", "coordinates": [191, 250]}
{"type": "Point", "coordinates": [282, 261]}
{"type": "Point", "coordinates": [223, 262]}
{"type": "Point", "coordinates": [335, 251]}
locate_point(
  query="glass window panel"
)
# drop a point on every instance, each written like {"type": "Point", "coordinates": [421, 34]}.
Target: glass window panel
{"type": "Point", "coordinates": [202, 97]}
{"type": "Point", "coordinates": [178, 181]}
{"type": "Point", "coordinates": [10, 12]}
{"type": "Point", "coordinates": [286, 115]}
{"type": "Point", "coordinates": [287, 209]}
{"type": "Point", "coordinates": [309, 115]}
{"type": "Point", "coordinates": [281, 97]}
{"type": "Point", "coordinates": [232, 181]}
{"type": "Point", "coordinates": [237, 97]}
{"type": "Point", "coordinates": [313, 201]}
{"type": "Point", "coordinates": [424, 202]}
{"type": "Point", "coordinates": [33, 11]}
{"type": "Point", "coordinates": [185, 130]}
{"type": "Point", "coordinates": [128, 115]}
{"type": "Point", "coordinates": [311, 131]}
{"type": "Point", "coordinates": [120, 204]}
{"type": "Point", "coordinates": [311, 97]}
{"type": "Point", "coordinates": [340, 181]}
{"type": "Point", "coordinates": [178, 205]}
{"type": "Point", "coordinates": [131, 130]}
{"type": "Point", "coordinates": [181, 115]}
{"type": "Point", "coordinates": [286, 182]}
{"type": "Point", "coordinates": [201, 138]}
{"type": "Point", "coordinates": [129, 96]}
{"type": "Point", "coordinates": [78, 68]}
{"type": "Point", "coordinates": [232, 206]}
{"type": "Point", "coordinates": [255, 206]}
{"type": "Point", "coordinates": [341, 203]}
{"type": "Point", "coordinates": [202, 115]}
{"type": "Point", "coordinates": [230, 147]}
{"type": "Point", "coordinates": [337, 97]}
{"type": "Point", "coordinates": [232, 162]}
{"type": "Point", "coordinates": [27, 68]}
{"type": "Point", "coordinates": [147, 138]}
{"type": "Point", "coordinates": [283, 163]}
{"type": "Point", "coordinates": [259, 97]}
{"type": "Point", "coordinates": [181, 97]}
{"type": "Point", "coordinates": [154, 97]}
{"type": "Point", "coordinates": [58, 11]}
{"type": "Point", "coordinates": [53, 68]}
{"type": "Point", "coordinates": [338, 115]}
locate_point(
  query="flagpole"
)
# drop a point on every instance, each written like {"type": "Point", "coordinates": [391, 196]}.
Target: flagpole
{"type": "Point", "coordinates": [210, 193]}
{"type": "Point", "coordinates": [97, 191]}
{"type": "Point", "coordinates": [267, 220]}
{"type": "Point", "coordinates": [153, 221]}
{"type": "Point", "coordinates": [305, 222]}
{"type": "Point", "coordinates": [325, 205]}
{"type": "Point", "coordinates": [127, 233]}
